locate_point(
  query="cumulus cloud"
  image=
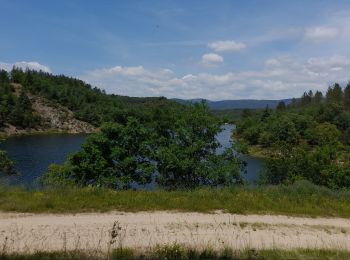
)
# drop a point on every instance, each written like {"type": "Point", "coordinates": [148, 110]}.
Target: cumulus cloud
{"type": "Point", "coordinates": [280, 77]}
{"type": "Point", "coordinates": [318, 34]}
{"type": "Point", "coordinates": [226, 46]}
{"type": "Point", "coordinates": [212, 59]}
{"type": "Point", "coordinates": [32, 65]}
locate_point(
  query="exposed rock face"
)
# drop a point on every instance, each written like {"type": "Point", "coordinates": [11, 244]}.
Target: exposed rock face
{"type": "Point", "coordinates": [54, 117]}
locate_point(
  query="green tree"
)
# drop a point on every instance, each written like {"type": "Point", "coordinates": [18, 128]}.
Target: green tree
{"type": "Point", "coordinates": [347, 96]}
{"type": "Point", "coordinates": [318, 97]}
{"type": "Point", "coordinates": [335, 93]}
{"type": "Point", "coordinates": [117, 157]}
{"type": "Point", "coordinates": [7, 166]}
{"type": "Point", "coordinates": [281, 106]}
{"type": "Point", "coordinates": [186, 155]}
{"type": "Point", "coordinates": [325, 134]}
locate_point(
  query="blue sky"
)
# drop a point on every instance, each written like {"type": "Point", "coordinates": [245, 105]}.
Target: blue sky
{"type": "Point", "coordinates": [185, 49]}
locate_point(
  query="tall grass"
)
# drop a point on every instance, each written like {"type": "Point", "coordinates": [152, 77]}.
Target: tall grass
{"type": "Point", "coordinates": [180, 252]}
{"type": "Point", "coordinates": [301, 198]}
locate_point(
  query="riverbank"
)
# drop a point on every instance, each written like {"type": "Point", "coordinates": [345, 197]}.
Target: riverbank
{"type": "Point", "coordinates": [300, 199]}
{"type": "Point", "coordinates": [145, 231]}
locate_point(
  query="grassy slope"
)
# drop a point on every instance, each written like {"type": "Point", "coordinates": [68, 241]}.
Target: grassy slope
{"type": "Point", "coordinates": [301, 199]}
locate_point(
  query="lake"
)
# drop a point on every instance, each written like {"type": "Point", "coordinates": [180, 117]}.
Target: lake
{"type": "Point", "coordinates": [33, 154]}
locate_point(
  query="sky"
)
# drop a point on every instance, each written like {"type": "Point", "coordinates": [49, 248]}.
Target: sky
{"type": "Point", "coordinates": [217, 50]}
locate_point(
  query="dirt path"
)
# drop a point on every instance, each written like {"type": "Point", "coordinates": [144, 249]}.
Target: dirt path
{"type": "Point", "coordinates": [144, 230]}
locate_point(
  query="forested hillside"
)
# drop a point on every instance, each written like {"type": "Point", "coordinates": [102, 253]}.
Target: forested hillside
{"type": "Point", "coordinates": [87, 103]}
{"type": "Point", "coordinates": [308, 139]}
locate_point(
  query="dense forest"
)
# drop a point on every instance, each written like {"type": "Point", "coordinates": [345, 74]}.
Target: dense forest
{"type": "Point", "coordinates": [15, 109]}
{"type": "Point", "coordinates": [308, 139]}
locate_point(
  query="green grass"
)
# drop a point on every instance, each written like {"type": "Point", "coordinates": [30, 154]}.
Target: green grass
{"type": "Point", "coordinates": [299, 199]}
{"type": "Point", "coordinates": [180, 252]}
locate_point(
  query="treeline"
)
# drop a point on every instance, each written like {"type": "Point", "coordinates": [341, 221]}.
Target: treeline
{"type": "Point", "coordinates": [15, 109]}
{"type": "Point", "coordinates": [88, 103]}
{"type": "Point", "coordinates": [307, 139]}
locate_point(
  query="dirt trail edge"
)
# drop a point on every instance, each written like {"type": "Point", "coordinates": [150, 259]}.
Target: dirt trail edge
{"type": "Point", "coordinates": [144, 230]}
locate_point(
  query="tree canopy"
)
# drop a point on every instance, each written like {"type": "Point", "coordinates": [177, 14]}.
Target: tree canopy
{"type": "Point", "coordinates": [173, 150]}
{"type": "Point", "coordinates": [309, 139]}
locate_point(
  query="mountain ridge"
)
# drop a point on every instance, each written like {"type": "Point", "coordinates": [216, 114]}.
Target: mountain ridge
{"type": "Point", "coordinates": [236, 103]}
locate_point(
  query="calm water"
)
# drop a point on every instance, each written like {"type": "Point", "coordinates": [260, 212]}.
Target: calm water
{"type": "Point", "coordinates": [254, 165]}
{"type": "Point", "coordinates": [33, 154]}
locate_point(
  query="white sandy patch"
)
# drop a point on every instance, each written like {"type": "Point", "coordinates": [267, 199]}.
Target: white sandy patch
{"type": "Point", "coordinates": [144, 230]}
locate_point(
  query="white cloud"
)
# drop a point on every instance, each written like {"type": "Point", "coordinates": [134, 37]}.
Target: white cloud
{"type": "Point", "coordinates": [280, 77]}
{"type": "Point", "coordinates": [226, 46]}
{"type": "Point", "coordinates": [32, 65]}
{"type": "Point", "coordinates": [212, 59]}
{"type": "Point", "coordinates": [332, 63]}
{"type": "Point", "coordinates": [318, 34]}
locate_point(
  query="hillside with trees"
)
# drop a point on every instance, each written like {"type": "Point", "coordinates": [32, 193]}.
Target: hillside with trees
{"type": "Point", "coordinates": [308, 139]}
{"type": "Point", "coordinates": [88, 103]}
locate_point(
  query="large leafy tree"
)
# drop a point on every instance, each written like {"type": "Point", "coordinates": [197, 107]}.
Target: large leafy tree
{"type": "Point", "coordinates": [178, 149]}
{"type": "Point", "coordinates": [186, 155]}
{"type": "Point", "coordinates": [116, 157]}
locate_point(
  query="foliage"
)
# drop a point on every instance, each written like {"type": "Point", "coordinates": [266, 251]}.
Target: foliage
{"type": "Point", "coordinates": [15, 109]}
{"type": "Point", "coordinates": [116, 157]}
{"type": "Point", "coordinates": [186, 151]}
{"type": "Point", "coordinates": [6, 165]}
{"type": "Point", "coordinates": [176, 149]}
{"type": "Point", "coordinates": [309, 139]}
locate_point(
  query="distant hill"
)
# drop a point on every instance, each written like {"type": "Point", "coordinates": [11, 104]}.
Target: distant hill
{"type": "Point", "coordinates": [236, 104]}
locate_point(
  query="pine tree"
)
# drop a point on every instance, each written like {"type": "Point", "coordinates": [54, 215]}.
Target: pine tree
{"type": "Point", "coordinates": [335, 94]}
{"type": "Point", "coordinates": [347, 95]}
{"type": "Point", "coordinates": [318, 97]}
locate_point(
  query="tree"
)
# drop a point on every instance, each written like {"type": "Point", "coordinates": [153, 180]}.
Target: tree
{"type": "Point", "coordinates": [7, 166]}
{"type": "Point", "coordinates": [318, 97]}
{"type": "Point", "coordinates": [186, 155]}
{"type": "Point", "coordinates": [335, 93]}
{"type": "Point", "coordinates": [266, 113]}
{"type": "Point", "coordinates": [117, 157]}
{"type": "Point", "coordinates": [4, 78]}
{"type": "Point", "coordinates": [281, 106]}
{"type": "Point", "coordinates": [325, 134]}
{"type": "Point", "coordinates": [347, 96]}
{"type": "Point", "coordinates": [306, 98]}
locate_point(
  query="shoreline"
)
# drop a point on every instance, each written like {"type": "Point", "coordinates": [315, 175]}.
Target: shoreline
{"type": "Point", "coordinates": [6, 135]}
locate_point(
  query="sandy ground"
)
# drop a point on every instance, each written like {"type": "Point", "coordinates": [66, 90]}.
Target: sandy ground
{"type": "Point", "coordinates": [144, 230]}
